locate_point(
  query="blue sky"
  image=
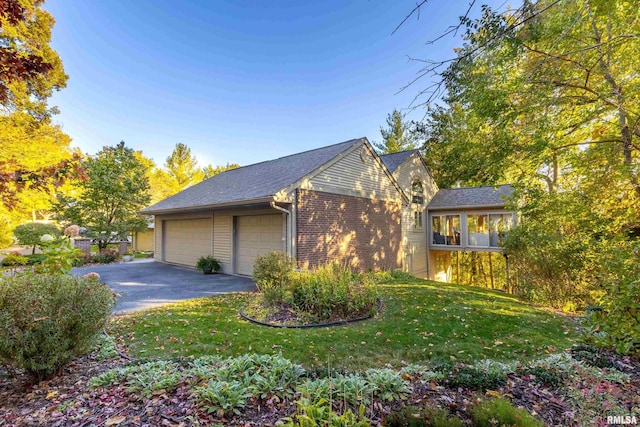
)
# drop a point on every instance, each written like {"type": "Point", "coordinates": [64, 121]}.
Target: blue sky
{"type": "Point", "coordinates": [238, 81]}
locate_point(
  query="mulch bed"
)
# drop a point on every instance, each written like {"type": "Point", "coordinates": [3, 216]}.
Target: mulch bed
{"type": "Point", "coordinates": [67, 400]}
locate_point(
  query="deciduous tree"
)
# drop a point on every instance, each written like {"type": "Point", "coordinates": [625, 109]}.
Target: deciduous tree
{"type": "Point", "coordinates": [108, 202]}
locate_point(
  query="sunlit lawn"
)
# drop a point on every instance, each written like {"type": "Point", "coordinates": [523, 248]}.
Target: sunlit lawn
{"type": "Point", "coordinates": [421, 321]}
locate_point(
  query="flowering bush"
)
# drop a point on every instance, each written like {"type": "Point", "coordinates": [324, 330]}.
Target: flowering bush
{"type": "Point", "coordinates": [60, 253]}
{"type": "Point", "coordinates": [92, 276]}
{"type": "Point", "coordinates": [72, 231]}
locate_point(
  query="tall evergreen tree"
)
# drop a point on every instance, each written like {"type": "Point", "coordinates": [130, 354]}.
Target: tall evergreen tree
{"type": "Point", "coordinates": [397, 136]}
{"type": "Point", "coordinates": [183, 168]}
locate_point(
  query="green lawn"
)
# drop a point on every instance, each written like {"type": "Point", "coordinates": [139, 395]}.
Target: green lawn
{"type": "Point", "coordinates": [421, 321]}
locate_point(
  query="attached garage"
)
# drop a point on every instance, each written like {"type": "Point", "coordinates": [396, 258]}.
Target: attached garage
{"type": "Point", "coordinates": [186, 240]}
{"type": "Point", "coordinates": [256, 235]}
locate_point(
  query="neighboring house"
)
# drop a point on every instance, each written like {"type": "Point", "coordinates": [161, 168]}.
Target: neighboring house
{"type": "Point", "coordinates": [342, 202]}
{"type": "Point", "coordinates": [143, 240]}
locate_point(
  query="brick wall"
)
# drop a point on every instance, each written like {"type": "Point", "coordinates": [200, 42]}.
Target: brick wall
{"type": "Point", "coordinates": [362, 232]}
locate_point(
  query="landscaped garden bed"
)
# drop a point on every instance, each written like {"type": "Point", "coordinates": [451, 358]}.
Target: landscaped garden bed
{"type": "Point", "coordinates": [328, 295]}
{"type": "Point", "coordinates": [436, 351]}
{"type": "Point", "coordinates": [264, 390]}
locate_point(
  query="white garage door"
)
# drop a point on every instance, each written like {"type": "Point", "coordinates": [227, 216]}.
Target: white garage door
{"type": "Point", "coordinates": [186, 240]}
{"type": "Point", "coordinates": [256, 235]}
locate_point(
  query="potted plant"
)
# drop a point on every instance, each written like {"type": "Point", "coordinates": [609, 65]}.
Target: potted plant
{"type": "Point", "coordinates": [208, 264]}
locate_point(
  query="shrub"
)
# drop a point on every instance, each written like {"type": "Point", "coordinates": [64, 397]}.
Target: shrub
{"type": "Point", "coordinates": [60, 255]}
{"type": "Point", "coordinates": [208, 264]}
{"type": "Point", "coordinates": [333, 292]}
{"type": "Point", "coordinates": [104, 257]}
{"type": "Point", "coordinates": [29, 234]}
{"type": "Point", "coordinates": [500, 412]}
{"type": "Point", "coordinates": [618, 324]}
{"type": "Point", "coordinates": [46, 320]}
{"type": "Point", "coordinates": [475, 378]}
{"type": "Point", "coordinates": [272, 273]}
{"type": "Point", "coordinates": [544, 375]}
{"type": "Point", "coordinates": [592, 356]}
{"type": "Point", "coordinates": [14, 259]}
{"type": "Point", "coordinates": [36, 259]}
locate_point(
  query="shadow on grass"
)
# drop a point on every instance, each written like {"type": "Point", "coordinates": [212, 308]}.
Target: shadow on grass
{"type": "Point", "coordinates": [421, 322]}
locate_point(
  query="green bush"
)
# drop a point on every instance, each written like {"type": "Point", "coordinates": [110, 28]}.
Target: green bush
{"type": "Point", "coordinates": [208, 264]}
{"type": "Point", "coordinates": [29, 234]}
{"type": "Point", "coordinates": [272, 273]}
{"type": "Point", "coordinates": [617, 325]}
{"type": "Point", "coordinates": [14, 259]}
{"type": "Point", "coordinates": [105, 257]}
{"type": "Point", "coordinates": [36, 259]}
{"type": "Point", "coordinates": [501, 413]}
{"type": "Point", "coordinates": [333, 292]}
{"type": "Point", "coordinates": [47, 320]}
{"type": "Point", "coordinates": [475, 378]}
{"type": "Point", "coordinates": [544, 375]}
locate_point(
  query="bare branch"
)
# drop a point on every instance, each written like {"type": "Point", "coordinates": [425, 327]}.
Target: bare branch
{"type": "Point", "coordinates": [435, 65]}
{"type": "Point", "coordinates": [453, 29]}
{"type": "Point", "coordinates": [415, 9]}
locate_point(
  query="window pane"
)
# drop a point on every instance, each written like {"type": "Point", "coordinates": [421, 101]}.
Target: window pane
{"type": "Point", "coordinates": [478, 228]}
{"type": "Point", "coordinates": [438, 230]}
{"type": "Point", "coordinates": [453, 230]}
{"type": "Point", "coordinates": [499, 226]}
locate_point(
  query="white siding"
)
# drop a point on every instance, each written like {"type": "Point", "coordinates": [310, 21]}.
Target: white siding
{"type": "Point", "coordinates": [222, 240]}
{"type": "Point", "coordinates": [414, 240]}
{"type": "Point", "coordinates": [356, 174]}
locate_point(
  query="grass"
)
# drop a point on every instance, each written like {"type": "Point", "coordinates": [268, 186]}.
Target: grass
{"type": "Point", "coordinates": [421, 321]}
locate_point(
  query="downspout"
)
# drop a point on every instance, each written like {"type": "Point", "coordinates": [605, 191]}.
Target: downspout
{"type": "Point", "coordinates": [286, 212]}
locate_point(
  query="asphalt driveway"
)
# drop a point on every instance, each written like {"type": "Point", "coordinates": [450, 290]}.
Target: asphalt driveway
{"type": "Point", "coordinates": [145, 284]}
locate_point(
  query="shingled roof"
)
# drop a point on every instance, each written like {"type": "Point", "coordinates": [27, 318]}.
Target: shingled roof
{"type": "Point", "coordinates": [472, 197]}
{"type": "Point", "coordinates": [254, 182]}
{"type": "Point", "coordinates": [393, 160]}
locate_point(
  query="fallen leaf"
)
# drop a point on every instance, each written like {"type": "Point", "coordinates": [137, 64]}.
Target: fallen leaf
{"type": "Point", "coordinates": [113, 421]}
{"type": "Point", "coordinates": [493, 393]}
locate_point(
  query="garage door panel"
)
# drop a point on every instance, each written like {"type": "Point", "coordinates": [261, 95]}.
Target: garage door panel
{"type": "Point", "coordinates": [187, 240]}
{"type": "Point", "coordinates": [256, 235]}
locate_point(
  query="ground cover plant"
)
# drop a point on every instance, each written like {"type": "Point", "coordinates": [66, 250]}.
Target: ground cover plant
{"type": "Point", "coordinates": [199, 363]}
{"type": "Point", "coordinates": [420, 321]}
{"type": "Point", "coordinates": [269, 390]}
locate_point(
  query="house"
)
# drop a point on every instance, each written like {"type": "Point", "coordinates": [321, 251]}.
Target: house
{"type": "Point", "coordinates": [340, 202]}
{"type": "Point", "coordinates": [142, 241]}
{"type": "Point", "coordinates": [466, 220]}
{"type": "Point", "coordinates": [414, 178]}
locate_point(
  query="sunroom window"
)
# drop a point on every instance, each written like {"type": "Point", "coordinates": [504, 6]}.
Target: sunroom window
{"type": "Point", "coordinates": [499, 226]}
{"type": "Point", "coordinates": [478, 229]}
{"type": "Point", "coordinates": [445, 230]}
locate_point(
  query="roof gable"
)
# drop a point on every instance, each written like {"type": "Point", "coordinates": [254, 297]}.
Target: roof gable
{"type": "Point", "coordinates": [394, 160]}
{"type": "Point", "coordinates": [253, 182]}
{"type": "Point", "coordinates": [471, 197]}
